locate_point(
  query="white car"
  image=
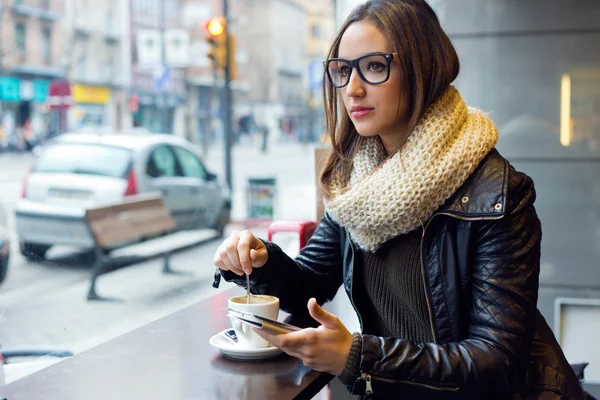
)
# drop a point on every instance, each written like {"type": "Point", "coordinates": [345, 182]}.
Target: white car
{"type": "Point", "coordinates": [76, 171]}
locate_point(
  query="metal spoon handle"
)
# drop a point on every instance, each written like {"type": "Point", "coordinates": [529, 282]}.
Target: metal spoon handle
{"type": "Point", "coordinates": [248, 288]}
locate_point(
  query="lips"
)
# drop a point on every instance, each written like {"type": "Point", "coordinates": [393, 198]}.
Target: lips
{"type": "Point", "coordinates": [359, 111]}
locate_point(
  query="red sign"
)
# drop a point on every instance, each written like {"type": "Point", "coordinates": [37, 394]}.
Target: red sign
{"type": "Point", "coordinates": [134, 103]}
{"type": "Point", "coordinates": [60, 95]}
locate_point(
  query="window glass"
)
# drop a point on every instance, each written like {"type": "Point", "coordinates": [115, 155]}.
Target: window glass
{"type": "Point", "coordinates": [190, 164]}
{"type": "Point", "coordinates": [161, 163]}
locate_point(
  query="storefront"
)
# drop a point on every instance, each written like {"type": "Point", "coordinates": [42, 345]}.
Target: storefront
{"type": "Point", "coordinates": [60, 100]}
{"type": "Point", "coordinates": [90, 106]}
{"type": "Point", "coordinates": [23, 112]}
{"type": "Point", "coordinates": [155, 112]}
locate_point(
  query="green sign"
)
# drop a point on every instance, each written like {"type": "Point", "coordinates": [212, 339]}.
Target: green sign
{"type": "Point", "coordinates": [40, 91]}
{"type": "Point", "coordinates": [261, 198]}
{"type": "Point", "coordinates": [9, 89]}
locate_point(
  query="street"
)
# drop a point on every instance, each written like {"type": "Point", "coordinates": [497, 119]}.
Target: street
{"type": "Point", "coordinates": [44, 304]}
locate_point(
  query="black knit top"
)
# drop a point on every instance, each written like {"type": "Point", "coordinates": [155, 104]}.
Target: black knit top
{"type": "Point", "coordinates": [390, 294]}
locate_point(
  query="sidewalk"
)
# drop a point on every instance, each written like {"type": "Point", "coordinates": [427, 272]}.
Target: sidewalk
{"type": "Point", "coordinates": [291, 164]}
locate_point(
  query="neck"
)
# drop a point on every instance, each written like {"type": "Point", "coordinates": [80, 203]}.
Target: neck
{"type": "Point", "coordinates": [391, 140]}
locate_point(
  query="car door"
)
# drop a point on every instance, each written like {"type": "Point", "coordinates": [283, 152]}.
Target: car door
{"type": "Point", "coordinates": [164, 175]}
{"type": "Point", "coordinates": [206, 197]}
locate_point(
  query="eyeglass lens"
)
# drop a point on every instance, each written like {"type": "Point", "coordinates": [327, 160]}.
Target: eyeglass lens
{"type": "Point", "coordinates": [374, 70]}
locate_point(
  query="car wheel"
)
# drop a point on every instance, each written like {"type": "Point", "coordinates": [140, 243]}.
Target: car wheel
{"type": "Point", "coordinates": [33, 251]}
{"type": "Point", "coordinates": [3, 271]}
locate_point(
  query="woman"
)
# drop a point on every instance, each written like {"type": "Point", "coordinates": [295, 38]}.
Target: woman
{"type": "Point", "coordinates": [433, 234]}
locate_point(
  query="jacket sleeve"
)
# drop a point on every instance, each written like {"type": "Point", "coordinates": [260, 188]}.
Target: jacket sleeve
{"type": "Point", "coordinates": [493, 356]}
{"type": "Point", "coordinates": [316, 272]}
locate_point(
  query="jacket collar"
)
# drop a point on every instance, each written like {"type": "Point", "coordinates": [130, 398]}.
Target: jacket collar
{"type": "Point", "coordinates": [483, 195]}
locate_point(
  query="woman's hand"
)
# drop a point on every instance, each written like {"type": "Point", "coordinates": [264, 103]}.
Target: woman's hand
{"type": "Point", "coordinates": [241, 252]}
{"type": "Point", "coordinates": [324, 349]}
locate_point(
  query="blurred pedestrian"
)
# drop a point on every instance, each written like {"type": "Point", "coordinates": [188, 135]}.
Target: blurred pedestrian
{"type": "Point", "coordinates": [264, 131]}
{"type": "Point", "coordinates": [433, 234]}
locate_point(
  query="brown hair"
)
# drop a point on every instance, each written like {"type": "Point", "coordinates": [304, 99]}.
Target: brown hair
{"type": "Point", "coordinates": [429, 64]}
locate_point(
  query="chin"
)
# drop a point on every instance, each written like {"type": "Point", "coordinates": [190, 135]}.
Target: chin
{"type": "Point", "coordinates": [365, 131]}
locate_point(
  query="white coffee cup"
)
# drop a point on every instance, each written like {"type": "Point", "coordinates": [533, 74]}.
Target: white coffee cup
{"type": "Point", "coordinates": [262, 305]}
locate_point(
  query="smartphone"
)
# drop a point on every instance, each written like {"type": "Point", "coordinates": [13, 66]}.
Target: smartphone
{"type": "Point", "coordinates": [268, 324]}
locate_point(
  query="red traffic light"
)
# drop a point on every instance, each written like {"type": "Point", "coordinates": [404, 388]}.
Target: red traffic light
{"type": "Point", "coordinates": [215, 26]}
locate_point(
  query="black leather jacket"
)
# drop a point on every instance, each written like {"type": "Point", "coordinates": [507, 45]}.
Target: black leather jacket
{"type": "Point", "coordinates": [480, 260]}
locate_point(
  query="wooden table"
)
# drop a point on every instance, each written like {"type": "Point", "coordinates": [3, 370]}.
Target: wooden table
{"type": "Point", "coordinates": [170, 358]}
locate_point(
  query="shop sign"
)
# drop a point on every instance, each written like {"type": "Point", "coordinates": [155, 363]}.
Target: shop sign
{"type": "Point", "coordinates": [91, 94]}
{"type": "Point", "coordinates": [9, 89]}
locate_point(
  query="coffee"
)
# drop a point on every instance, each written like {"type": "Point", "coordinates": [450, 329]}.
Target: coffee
{"type": "Point", "coordinates": [254, 299]}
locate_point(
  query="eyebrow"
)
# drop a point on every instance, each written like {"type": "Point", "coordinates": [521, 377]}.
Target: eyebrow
{"type": "Point", "coordinates": [364, 54]}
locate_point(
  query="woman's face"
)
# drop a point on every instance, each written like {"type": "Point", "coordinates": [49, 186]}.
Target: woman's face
{"type": "Point", "coordinates": [374, 109]}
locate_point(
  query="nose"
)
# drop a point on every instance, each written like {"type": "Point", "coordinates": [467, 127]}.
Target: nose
{"type": "Point", "coordinates": [355, 86]}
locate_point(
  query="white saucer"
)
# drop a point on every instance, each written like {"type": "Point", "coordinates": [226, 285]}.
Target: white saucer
{"type": "Point", "coordinates": [225, 346]}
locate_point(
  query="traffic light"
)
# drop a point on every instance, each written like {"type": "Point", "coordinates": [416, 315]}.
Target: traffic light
{"type": "Point", "coordinates": [217, 40]}
{"type": "Point", "coordinates": [232, 62]}
{"type": "Point", "coordinates": [215, 27]}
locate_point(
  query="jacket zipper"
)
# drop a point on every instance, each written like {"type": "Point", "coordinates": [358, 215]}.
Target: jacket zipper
{"type": "Point", "coordinates": [426, 287]}
{"type": "Point", "coordinates": [369, 384]}
{"type": "Point", "coordinates": [352, 284]}
{"type": "Point", "coordinates": [368, 387]}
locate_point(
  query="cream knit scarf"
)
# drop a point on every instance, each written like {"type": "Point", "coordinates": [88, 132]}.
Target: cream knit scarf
{"type": "Point", "coordinates": [445, 148]}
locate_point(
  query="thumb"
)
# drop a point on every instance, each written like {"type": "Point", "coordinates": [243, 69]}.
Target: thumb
{"type": "Point", "coordinates": [323, 317]}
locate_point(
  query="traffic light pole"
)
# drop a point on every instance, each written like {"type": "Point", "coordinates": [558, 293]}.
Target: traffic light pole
{"type": "Point", "coordinates": [227, 100]}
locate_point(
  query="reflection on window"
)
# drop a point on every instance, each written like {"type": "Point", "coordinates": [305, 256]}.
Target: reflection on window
{"type": "Point", "coordinates": [580, 102]}
{"type": "Point", "coordinates": [565, 110]}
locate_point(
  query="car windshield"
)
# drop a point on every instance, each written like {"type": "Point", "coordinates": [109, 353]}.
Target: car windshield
{"type": "Point", "coordinates": [85, 159]}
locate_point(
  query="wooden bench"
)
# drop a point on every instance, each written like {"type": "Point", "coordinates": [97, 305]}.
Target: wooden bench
{"type": "Point", "coordinates": [134, 230]}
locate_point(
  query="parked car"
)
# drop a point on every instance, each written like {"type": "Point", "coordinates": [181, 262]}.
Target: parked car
{"type": "Point", "coordinates": [76, 171]}
{"type": "Point", "coordinates": [4, 245]}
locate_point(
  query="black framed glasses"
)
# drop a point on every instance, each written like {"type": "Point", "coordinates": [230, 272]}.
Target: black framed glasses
{"type": "Point", "coordinates": [373, 68]}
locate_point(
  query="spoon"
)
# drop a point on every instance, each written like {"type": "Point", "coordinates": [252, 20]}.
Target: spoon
{"type": "Point", "coordinates": [248, 288]}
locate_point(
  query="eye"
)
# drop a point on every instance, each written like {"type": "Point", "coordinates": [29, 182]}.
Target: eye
{"type": "Point", "coordinates": [344, 70]}
{"type": "Point", "coordinates": [376, 66]}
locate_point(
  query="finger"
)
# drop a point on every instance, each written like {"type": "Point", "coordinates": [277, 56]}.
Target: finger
{"type": "Point", "coordinates": [243, 249]}
{"type": "Point", "coordinates": [265, 335]}
{"type": "Point", "coordinates": [232, 252]}
{"type": "Point", "coordinates": [223, 259]}
{"type": "Point", "coordinates": [233, 267]}
{"type": "Point", "coordinates": [282, 343]}
{"type": "Point", "coordinates": [325, 318]}
{"type": "Point", "coordinates": [218, 261]}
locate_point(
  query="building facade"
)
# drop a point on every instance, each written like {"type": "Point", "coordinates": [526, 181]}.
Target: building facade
{"type": "Point", "coordinates": [158, 93]}
{"type": "Point", "coordinates": [97, 62]}
{"type": "Point", "coordinates": [276, 79]}
{"type": "Point", "coordinates": [204, 82]}
{"type": "Point", "coordinates": [30, 60]}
